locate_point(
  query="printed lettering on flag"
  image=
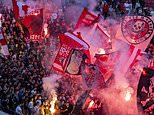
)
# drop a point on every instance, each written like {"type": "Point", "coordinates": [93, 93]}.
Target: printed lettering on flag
{"type": "Point", "coordinates": [34, 23]}
{"type": "Point", "coordinates": [68, 41]}
{"type": "Point", "coordinates": [31, 18]}
{"type": "Point", "coordinates": [86, 18]}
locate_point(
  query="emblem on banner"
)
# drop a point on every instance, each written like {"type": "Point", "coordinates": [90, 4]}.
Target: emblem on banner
{"type": "Point", "coordinates": [137, 29]}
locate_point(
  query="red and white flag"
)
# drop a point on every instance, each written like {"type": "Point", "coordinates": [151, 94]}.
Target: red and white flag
{"type": "Point", "coordinates": [151, 65]}
{"type": "Point", "coordinates": [3, 45]}
{"type": "Point", "coordinates": [19, 9]}
{"type": "Point", "coordinates": [31, 18]}
{"type": "Point", "coordinates": [68, 41]}
{"type": "Point", "coordinates": [133, 57]}
{"type": "Point", "coordinates": [107, 62]}
{"type": "Point", "coordinates": [136, 30]}
{"type": "Point", "coordinates": [92, 32]}
{"type": "Point", "coordinates": [86, 18]}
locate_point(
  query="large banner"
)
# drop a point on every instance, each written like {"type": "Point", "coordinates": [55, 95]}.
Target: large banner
{"type": "Point", "coordinates": [86, 19]}
{"type": "Point", "coordinates": [136, 30]}
{"type": "Point", "coordinates": [107, 62]}
{"type": "Point", "coordinates": [31, 18]}
{"type": "Point", "coordinates": [93, 33]}
{"type": "Point", "coordinates": [68, 41]}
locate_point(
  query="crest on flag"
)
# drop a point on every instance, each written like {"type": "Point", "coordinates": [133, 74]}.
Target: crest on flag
{"type": "Point", "coordinates": [137, 29]}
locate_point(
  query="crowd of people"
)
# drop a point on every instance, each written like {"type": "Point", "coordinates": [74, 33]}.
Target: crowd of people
{"type": "Point", "coordinates": [22, 72]}
{"type": "Point", "coordinates": [116, 8]}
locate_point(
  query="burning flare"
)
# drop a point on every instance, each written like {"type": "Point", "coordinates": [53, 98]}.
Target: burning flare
{"type": "Point", "coordinates": [52, 108]}
{"type": "Point", "coordinates": [127, 96]}
{"type": "Point", "coordinates": [35, 14]}
{"type": "Point", "coordinates": [128, 93]}
{"type": "Point", "coordinates": [101, 51]}
{"type": "Point", "coordinates": [91, 104]}
{"type": "Point", "coordinates": [45, 29]}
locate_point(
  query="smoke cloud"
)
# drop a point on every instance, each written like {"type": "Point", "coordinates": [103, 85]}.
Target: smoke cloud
{"type": "Point", "coordinates": [124, 81]}
{"type": "Point", "coordinates": [50, 84]}
{"type": "Point", "coordinates": [120, 95]}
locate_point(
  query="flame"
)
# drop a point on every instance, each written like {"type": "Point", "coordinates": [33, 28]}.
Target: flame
{"type": "Point", "coordinates": [35, 14]}
{"type": "Point", "coordinates": [52, 108]}
{"type": "Point", "coordinates": [140, 69]}
{"type": "Point", "coordinates": [127, 96]}
{"type": "Point", "coordinates": [144, 72]}
{"type": "Point", "coordinates": [45, 31]}
{"type": "Point", "coordinates": [91, 104]}
{"type": "Point", "coordinates": [109, 40]}
{"type": "Point", "coordinates": [101, 51]}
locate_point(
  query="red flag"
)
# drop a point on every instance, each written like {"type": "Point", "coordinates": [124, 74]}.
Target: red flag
{"type": "Point", "coordinates": [15, 8]}
{"type": "Point", "coordinates": [86, 18]}
{"type": "Point", "coordinates": [133, 57]}
{"type": "Point", "coordinates": [3, 45]}
{"type": "Point", "coordinates": [136, 30]}
{"type": "Point", "coordinates": [19, 9]}
{"type": "Point", "coordinates": [91, 22]}
{"type": "Point", "coordinates": [30, 18]}
{"type": "Point", "coordinates": [89, 19]}
{"type": "Point", "coordinates": [106, 62]}
{"type": "Point", "coordinates": [68, 41]}
{"type": "Point", "coordinates": [34, 23]}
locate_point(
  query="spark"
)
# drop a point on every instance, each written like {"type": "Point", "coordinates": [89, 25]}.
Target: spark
{"type": "Point", "coordinates": [101, 51]}
{"type": "Point", "coordinates": [35, 14]}
{"type": "Point", "coordinates": [45, 31]}
{"type": "Point", "coordinates": [91, 104]}
{"type": "Point", "coordinates": [109, 40]}
{"type": "Point", "coordinates": [127, 96]}
{"type": "Point", "coordinates": [52, 109]}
